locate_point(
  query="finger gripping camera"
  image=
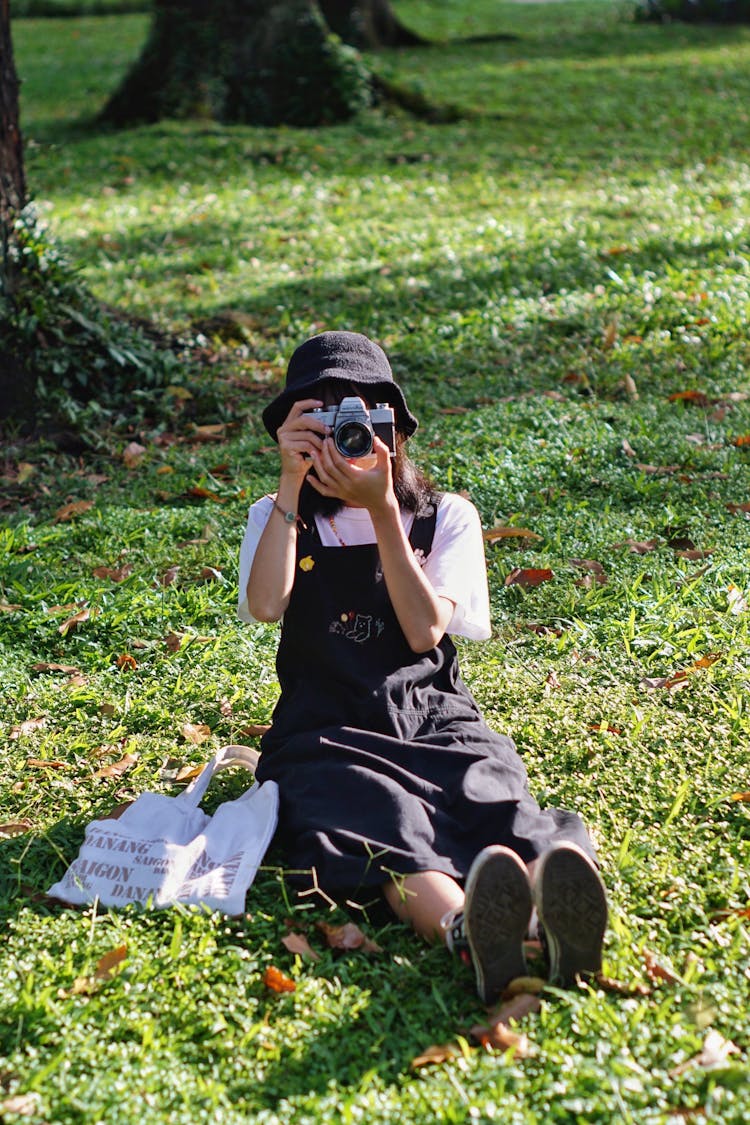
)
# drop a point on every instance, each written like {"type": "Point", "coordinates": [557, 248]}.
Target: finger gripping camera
{"type": "Point", "coordinates": [354, 426]}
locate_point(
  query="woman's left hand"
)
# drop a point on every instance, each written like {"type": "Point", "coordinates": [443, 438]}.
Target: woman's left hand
{"type": "Point", "coordinates": [350, 481]}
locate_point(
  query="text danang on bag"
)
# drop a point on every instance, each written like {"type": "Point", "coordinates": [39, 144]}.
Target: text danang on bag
{"type": "Point", "coordinates": [164, 850]}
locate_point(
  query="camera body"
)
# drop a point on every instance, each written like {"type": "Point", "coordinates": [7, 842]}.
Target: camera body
{"type": "Point", "coordinates": [354, 427]}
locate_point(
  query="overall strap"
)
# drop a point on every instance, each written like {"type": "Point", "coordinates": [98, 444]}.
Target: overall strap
{"type": "Point", "coordinates": [423, 528]}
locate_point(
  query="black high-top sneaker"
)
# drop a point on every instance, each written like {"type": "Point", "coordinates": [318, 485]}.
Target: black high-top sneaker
{"type": "Point", "coordinates": [494, 920]}
{"type": "Point", "coordinates": [572, 906]}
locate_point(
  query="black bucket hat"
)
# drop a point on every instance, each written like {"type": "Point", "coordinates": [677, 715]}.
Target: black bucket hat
{"type": "Point", "coordinates": [349, 357]}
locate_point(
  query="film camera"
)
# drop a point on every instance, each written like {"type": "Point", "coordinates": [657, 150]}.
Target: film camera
{"type": "Point", "coordinates": [354, 426]}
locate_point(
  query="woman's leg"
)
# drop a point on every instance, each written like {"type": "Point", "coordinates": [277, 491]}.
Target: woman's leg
{"type": "Point", "coordinates": [423, 900]}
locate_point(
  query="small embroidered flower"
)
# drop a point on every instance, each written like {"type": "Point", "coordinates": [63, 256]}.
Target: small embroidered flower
{"type": "Point", "coordinates": [307, 563]}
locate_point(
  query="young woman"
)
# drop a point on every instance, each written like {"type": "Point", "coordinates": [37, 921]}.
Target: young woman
{"type": "Point", "coordinates": [390, 780]}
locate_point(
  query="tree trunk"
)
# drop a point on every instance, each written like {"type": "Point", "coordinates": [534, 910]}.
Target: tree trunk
{"type": "Point", "coordinates": [16, 388]}
{"type": "Point", "coordinates": [368, 23]}
{"type": "Point", "coordinates": [261, 62]}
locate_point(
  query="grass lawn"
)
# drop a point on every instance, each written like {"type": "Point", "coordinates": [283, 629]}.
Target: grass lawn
{"type": "Point", "coordinates": [562, 280]}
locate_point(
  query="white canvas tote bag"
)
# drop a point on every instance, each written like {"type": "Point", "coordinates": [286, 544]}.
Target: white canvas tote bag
{"type": "Point", "coordinates": [164, 850]}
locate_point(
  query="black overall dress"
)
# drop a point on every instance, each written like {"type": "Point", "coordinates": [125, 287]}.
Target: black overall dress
{"type": "Point", "coordinates": [384, 763]}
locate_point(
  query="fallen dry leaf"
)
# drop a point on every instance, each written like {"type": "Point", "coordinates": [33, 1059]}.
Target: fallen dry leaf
{"type": "Point", "coordinates": [629, 382]}
{"type": "Point", "coordinates": [493, 534]}
{"type": "Point", "coordinates": [125, 660]}
{"type": "Point", "coordinates": [627, 448]}
{"type": "Point", "coordinates": [8, 607]}
{"type": "Point", "coordinates": [75, 508]}
{"type": "Point", "coordinates": [274, 979]}
{"type": "Point", "coordinates": [19, 1105]}
{"type": "Point", "coordinates": [436, 1054]}
{"type": "Point", "coordinates": [714, 1053]}
{"type": "Point", "coordinates": [201, 493]}
{"type": "Point", "coordinates": [74, 621]}
{"type": "Point", "coordinates": [28, 726]}
{"type": "Point", "coordinates": [298, 943]}
{"type": "Point", "coordinates": [348, 936]}
{"type": "Point", "coordinates": [170, 576]}
{"type": "Point", "coordinates": [736, 600]}
{"type": "Point", "coordinates": [655, 971]}
{"type": "Point", "coordinates": [528, 576]}
{"type": "Point", "coordinates": [619, 988]}
{"type": "Point", "coordinates": [744, 507]}
{"type": "Point", "coordinates": [454, 410]}
{"type": "Point", "coordinates": [196, 733]}
{"type": "Point", "coordinates": [254, 730]}
{"type": "Point", "coordinates": [639, 547]}
{"type": "Point", "coordinates": [498, 1036]}
{"type": "Point", "coordinates": [609, 338]}
{"type": "Point", "coordinates": [133, 454]}
{"type": "Point", "coordinates": [696, 398]}
{"type": "Point", "coordinates": [117, 769]}
{"type": "Point", "coordinates": [657, 470]}
{"type": "Point", "coordinates": [115, 574]}
{"type": "Point", "coordinates": [740, 797]}
{"type": "Point", "coordinates": [106, 968]}
{"type": "Point", "coordinates": [211, 574]}
{"type": "Point", "coordinates": [68, 669]}
{"type": "Point", "coordinates": [216, 431]}
{"type": "Point", "coordinates": [14, 828]}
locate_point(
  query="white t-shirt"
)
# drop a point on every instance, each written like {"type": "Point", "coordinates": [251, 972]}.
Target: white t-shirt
{"type": "Point", "coordinates": [455, 566]}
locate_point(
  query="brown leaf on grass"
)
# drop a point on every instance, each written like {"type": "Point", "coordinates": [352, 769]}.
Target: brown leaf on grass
{"type": "Point", "coordinates": [106, 968]}
{"type": "Point", "coordinates": [552, 682]}
{"type": "Point", "coordinates": [14, 828]}
{"type": "Point", "coordinates": [493, 534]}
{"type": "Point", "coordinates": [743, 439]}
{"type": "Point", "coordinates": [629, 382]}
{"type": "Point", "coordinates": [436, 1054]}
{"type": "Point", "coordinates": [605, 728]}
{"type": "Point", "coordinates": [215, 431]}
{"type": "Point", "coordinates": [117, 769]}
{"type": "Point", "coordinates": [116, 812]}
{"type": "Point", "coordinates": [348, 937]}
{"type": "Point", "coordinates": [254, 730]}
{"type": "Point", "coordinates": [627, 448]}
{"type": "Point", "coordinates": [187, 773]}
{"type": "Point", "coordinates": [133, 454]}
{"type": "Point", "coordinates": [609, 337]}
{"type": "Point", "coordinates": [75, 508]}
{"type": "Point", "coordinates": [77, 619]}
{"type": "Point", "coordinates": [596, 574]}
{"type": "Point", "coordinates": [170, 576]}
{"type": "Point", "coordinates": [196, 733]}
{"type": "Point", "coordinates": [669, 683]}
{"type": "Point", "coordinates": [744, 507]}
{"type": "Point", "coordinates": [298, 943]}
{"type": "Point", "coordinates": [637, 546]}
{"type": "Point", "coordinates": [740, 797]}
{"type": "Point", "coordinates": [528, 576]}
{"type": "Point", "coordinates": [28, 726]}
{"type": "Point", "coordinates": [115, 574]}
{"type": "Point", "coordinates": [46, 764]}
{"type": "Point", "coordinates": [211, 574]}
{"type": "Point", "coordinates": [9, 607]}
{"type": "Point", "coordinates": [454, 410]}
{"type": "Point", "coordinates": [736, 600]}
{"type": "Point", "coordinates": [694, 553]}
{"type": "Point", "coordinates": [655, 971]}
{"type": "Point", "coordinates": [619, 988]}
{"type": "Point", "coordinates": [173, 641]}
{"type": "Point", "coordinates": [695, 398]}
{"type": "Point", "coordinates": [125, 660]}
{"type": "Point", "coordinates": [499, 1037]}
{"type": "Point", "coordinates": [277, 981]}
{"type": "Point", "coordinates": [68, 669]}
{"type": "Point", "coordinates": [201, 493]}
{"type": "Point", "coordinates": [19, 1105]}
{"type": "Point", "coordinates": [657, 470]}
{"type": "Point", "coordinates": [714, 1053]}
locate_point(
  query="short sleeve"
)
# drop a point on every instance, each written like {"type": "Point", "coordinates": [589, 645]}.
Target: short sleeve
{"type": "Point", "coordinates": [257, 519]}
{"type": "Point", "coordinates": [456, 567]}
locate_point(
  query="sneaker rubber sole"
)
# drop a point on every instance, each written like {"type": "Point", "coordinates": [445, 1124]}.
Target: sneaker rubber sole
{"type": "Point", "coordinates": [572, 905]}
{"type": "Point", "coordinates": [496, 918]}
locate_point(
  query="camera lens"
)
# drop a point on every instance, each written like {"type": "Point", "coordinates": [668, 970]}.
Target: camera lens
{"type": "Point", "coordinates": [353, 439]}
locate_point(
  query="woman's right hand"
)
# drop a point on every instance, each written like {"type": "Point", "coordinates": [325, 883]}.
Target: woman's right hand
{"type": "Point", "coordinates": [299, 435]}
